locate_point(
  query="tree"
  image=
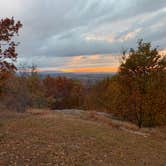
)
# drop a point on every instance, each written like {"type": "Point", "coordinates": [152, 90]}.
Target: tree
{"type": "Point", "coordinates": [63, 92]}
{"type": "Point", "coordinates": [16, 94]}
{"type": "Point", "coordinates": [8, 29]}
{"type": "Point", "coordinates": [36, 88]}
{"type": "Point", "coordinates": [136, 71]}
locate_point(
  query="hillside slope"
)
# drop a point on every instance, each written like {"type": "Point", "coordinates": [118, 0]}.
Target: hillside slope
{"type": "Point", "coordinates": [47, 138]}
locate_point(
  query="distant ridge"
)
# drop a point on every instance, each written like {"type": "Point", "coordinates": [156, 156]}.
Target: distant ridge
{"type": "Point", "coordinates": [86, 77]}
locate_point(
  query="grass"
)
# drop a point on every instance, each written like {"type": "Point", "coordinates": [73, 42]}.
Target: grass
{"type": "Point", "coordinates": [60, 139]}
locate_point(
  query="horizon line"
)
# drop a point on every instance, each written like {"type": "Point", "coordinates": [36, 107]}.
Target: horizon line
{"type": "Point", "coordinates": [83, 70]}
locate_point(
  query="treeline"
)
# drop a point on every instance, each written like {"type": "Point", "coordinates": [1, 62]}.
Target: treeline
{"type": "Point", "coordinates": [137, 93]}
{"type": "Point", "coordinates": [29, 90]}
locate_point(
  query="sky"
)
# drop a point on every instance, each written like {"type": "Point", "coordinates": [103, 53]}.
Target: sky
{"type": "Point", "coordinates": [84, 35]}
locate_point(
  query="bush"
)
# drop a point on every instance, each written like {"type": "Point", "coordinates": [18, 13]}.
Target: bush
{"type": "Point", "coordinates": [63, 92]}
{"type": "Point", "coordinates": [16, 95]}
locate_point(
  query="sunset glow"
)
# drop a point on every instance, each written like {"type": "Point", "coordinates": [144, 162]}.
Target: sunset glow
{"type": "Point", "coordinates": [78, 36]}
{"type": "Point", "coordinates": [83, 82]}
{"type": "Point", "coordinates": [97, 69]}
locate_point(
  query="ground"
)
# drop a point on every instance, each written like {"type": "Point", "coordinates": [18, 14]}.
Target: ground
{"type": "Point", "coordinates": [57, 138]}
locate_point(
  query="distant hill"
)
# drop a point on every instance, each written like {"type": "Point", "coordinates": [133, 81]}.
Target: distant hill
{"type": "Point", "coordinates": [84, 77]}
{"type": "Point", "coordinates": [87, 78]}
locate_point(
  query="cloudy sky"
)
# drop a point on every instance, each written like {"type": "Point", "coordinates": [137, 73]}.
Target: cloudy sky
{"type": "Point", "coordinates": [84, 35]}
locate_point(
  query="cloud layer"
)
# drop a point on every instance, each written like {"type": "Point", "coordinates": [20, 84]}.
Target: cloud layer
{"type": "Point", "coordinates": [58, 32]}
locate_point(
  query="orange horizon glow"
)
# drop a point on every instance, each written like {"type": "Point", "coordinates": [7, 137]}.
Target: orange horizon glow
{"type": "Point", "coordinates": [81, 70]}
{"type": "Point", "coordinates": [78, 70]}
{"type": "Point", "coordinates": [91, 70]}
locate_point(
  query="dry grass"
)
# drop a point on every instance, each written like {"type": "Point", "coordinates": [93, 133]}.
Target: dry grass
{"type": "Point", "coordinates": [112, 122]}
{"type": "Point", "coordinates": [59, 139]}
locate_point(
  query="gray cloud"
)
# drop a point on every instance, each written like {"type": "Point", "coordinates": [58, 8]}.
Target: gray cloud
{"type": "Point", "coordinates": [60, 28]}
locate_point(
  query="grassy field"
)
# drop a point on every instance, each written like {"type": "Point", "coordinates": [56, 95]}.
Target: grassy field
{"type": "Point", "coordinates": [46, 138]}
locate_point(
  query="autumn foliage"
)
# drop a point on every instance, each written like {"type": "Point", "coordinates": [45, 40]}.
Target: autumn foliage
{"type": "Point", "coordinates": [8, 29]}
{"type": "Point", "coordinates": [63, 92]}
{"type": "Point", "coordinates": [137, 93]}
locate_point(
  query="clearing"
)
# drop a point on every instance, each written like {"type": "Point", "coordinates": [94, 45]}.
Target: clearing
{"type": "Point", "coordinates": [43, 137]}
